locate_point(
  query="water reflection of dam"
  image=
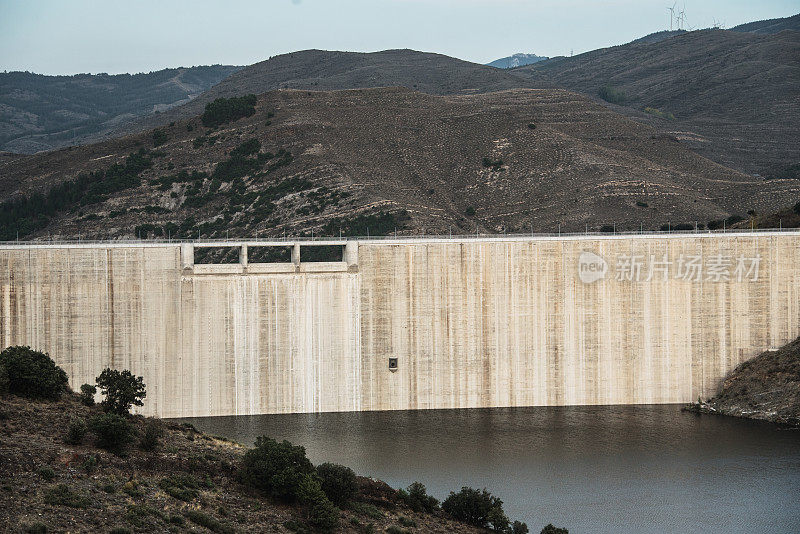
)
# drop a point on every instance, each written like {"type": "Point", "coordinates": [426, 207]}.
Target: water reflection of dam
{"type": "Point", "coordinates": [408, 323]}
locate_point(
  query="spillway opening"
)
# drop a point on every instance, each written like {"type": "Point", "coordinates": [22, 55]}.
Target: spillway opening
{"type": "Point", "coordinates": [321, 253]}
{"type": "Point", "coordinates": [278, 254]}
{"type": "Point", "coordinates": [216, 255]}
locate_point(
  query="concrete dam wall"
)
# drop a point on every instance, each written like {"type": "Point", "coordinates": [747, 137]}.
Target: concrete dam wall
{"type": "Point", "coordinates": [408, 323]}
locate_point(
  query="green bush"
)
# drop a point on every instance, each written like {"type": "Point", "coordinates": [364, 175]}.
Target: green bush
{"type": "Point", "coordinates": [416, 497]}
{"type": "Point", "coordinates": [113, 432]}
{"type": "Point", "coordinates": [75, 432]}
{"type": "Point", "coordinates": [32, 374]}
{"type": "Point", "coordinates": [276, 468]}
{"type": "Point", "coordinates": [121, 390]}
{"type": "Point", "coordinates": [211, 523]}
{"type": "Point", "coordinates": [4, 380]}
{"type": "Point", "coordinates": [338, 482]}
{"type": "Point", "coordinates": [88, 392]}
{"type": "Point", "coordinates": [224, 110]}
{"type": "Point", "coordinates": [35, 528]}
{"type": "Point", "coordinates": [660, 114]}
{"type": "Point", "coordinates": [494, 164]}
{"type": "Point", "coordinates": [550, 529]}
{"type": "Point", "coordinates": [64, 496]}
{"type": "Point", "coordinates": [394, 529]}
{"type": "Point", "coordinates": [47, 473]}
{"type": "Point", "coordinates": [406, 521]}
{"type": "Point", "coordinates": [469, 212]}
{"type": "Point", "coordinates": [151, 437]}
{"type": "Point", "coordinates": [159, 137]}
{"type": "Point", "coordinates": [610, 94]}
{"type": "Point", "coordinates": [182, 487]}
{"type": "Point", "coordinates": [476, 507]}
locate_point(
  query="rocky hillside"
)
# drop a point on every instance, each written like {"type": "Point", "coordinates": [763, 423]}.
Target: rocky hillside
{"type": "Point", "coordinates": [730, 96]}
{"type": "Point", "coordinates": [40, 112]}
{"type": "Point", "coordinates": [370, 161]}
{"type": "Point", "coordinates": [766, 387]}
{"type": "Point", "coordinates": [179, 481]}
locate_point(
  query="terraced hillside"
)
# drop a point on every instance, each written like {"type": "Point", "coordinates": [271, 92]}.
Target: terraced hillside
{"type": "Point", "coordinates": [731, 96]}
{"type": "Point", "coordinates": [373, 160]}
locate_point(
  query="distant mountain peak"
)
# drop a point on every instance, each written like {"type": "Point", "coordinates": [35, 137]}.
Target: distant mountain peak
{"type": "Point", "coordinates": [516, 60]}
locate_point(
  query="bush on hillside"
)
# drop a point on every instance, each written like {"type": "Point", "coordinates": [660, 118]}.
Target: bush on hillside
{"type": "Point", "coordinates": [320, 512]}
{"type": "Point", "coordinates": [112, 431]}
{"type": "Point", "coordinates": [338, 482]}
{"type": "Point", "coordinates": [550, 529]}
{"type": "Point", "coordinates": [121, 390]}
{"type": "Point", "coordinates": [416, 497]}
{"type": "Point", "coordinates": [88, 392]}
{"type": "Point", "coordinates": [151, 437]}
{"type": "Point", "coordinates": [224, 110]}
{"type": "Point", "coordinates": [33, 374]}
{"type": "Point", "coordinates": [610, 94]}
{"type": "Point", "coordinates": [75, 432]}
{"type": "Point", "coordinates": [276, 468]}
{"type": "Point", "coordinates": [476, 507]}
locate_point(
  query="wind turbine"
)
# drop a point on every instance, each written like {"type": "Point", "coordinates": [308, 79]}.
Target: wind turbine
{"type": "Point", "coordinates": [672, 14]}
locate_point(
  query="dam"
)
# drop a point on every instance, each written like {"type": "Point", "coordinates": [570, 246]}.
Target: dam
{"type": "Point", "coordinates": [407, 323]}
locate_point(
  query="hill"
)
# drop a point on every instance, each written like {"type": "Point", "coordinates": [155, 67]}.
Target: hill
{"type": "Point", "coordinates": [516, 60]}
{"type": "Point", "coordinates": [766, 387]}
{"type": "Point", "coordinates": [40, 112]}
{"type": "Point", "coordinates": [321, 70]}
{"type": "Point", "coordinates": [770, 26]}
{"type": "Point", "coordinates": [372, 160]}
{"type": "Point", "coordinates": [731, 96]}
{"type": "Point", "coordinates": [182, 480]}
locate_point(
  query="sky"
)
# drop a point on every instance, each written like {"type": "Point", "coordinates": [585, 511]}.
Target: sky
{"type": "Point", "coordinates": [112, 36]}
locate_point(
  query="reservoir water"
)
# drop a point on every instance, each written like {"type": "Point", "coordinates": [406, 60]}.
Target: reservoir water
{"type": "Point", "coordinates": [612, 469]}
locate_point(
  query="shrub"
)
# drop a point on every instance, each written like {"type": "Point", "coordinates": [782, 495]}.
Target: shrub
{"type": "Point", "coordinates": [660, 114]}
{"type": "Point", "coordinates": [338, 482]}
{"type": "Point", "coordinates": [550, 529]}
{"type": "Point", "coordinates": [35, 528]}
{"type": "Point", "coordinates": [47, 473]}
{"type": "Point", "coordinates": [62, 495]}
{"type": "Point", "coordinates": [182, 487]}
{"type": "Point", "coordinates": [224, 110]}
{"type": "Point", "coordinates": [416, 497]}
{"type": "Point", "coordinates": [607, 228]}
{"type": "Point", "coordinates": [276, 468]}
{"type": "Point", "coordinates": [610, 94]}
{"type": "Point", "coordinates": [88, 392]}
{"type": "Point", "coordinates": [479, 508]}
{"type": "Point", "coordinates": [32, 373]}
{"type": "Point", "coordinates": [113, 432]}
{"type": "Point", "coordinates": [151, 437]}
{"type": "Point", "coordinates": [531, 126]}
{"type": "Point", "coordinates": [641, 204]}
{"type": "Point", "coordinates": [469, 212]}
{"type": "Point", "coordinates": [406, 521]}
{"type": "Point", "coordinates": [4, 380]}
{"type": "Point", "coordinates": [121, 390]}
{"type": "Point", "coordinates": [159, 137]}
{"type": "Point", "coordinates": [75, 432]}
{"type": "Point", "coordinates": [495, 164]}
{"type": "Point", "coordinates": [120, 530]}
{"type": "Point", "coordinates": [211, 523]}
{"type": "Point", "coordinates": [393, 529]}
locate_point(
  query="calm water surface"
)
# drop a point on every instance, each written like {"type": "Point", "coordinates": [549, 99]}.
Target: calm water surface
{"type": "Point", "coordinates": [591, 469]}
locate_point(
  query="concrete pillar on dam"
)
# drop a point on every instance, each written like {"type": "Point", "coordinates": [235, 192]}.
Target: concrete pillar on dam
{"type": "Point", "coordinates": [489, 322]}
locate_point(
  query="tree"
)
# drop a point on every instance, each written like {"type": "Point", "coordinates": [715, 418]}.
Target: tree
{"type": "Point", "coordinates": [550, 529]}
{"type": "Point", "coordinates": [338, 482]}
{"type": "Point", "coordinates": [276, 468]}
{"type": "Point", "coordinates": [479, 508]}
{"type": "Point", "coordinates": [30, 373]}
{"type": "Point", "coordinates": [121, 390]}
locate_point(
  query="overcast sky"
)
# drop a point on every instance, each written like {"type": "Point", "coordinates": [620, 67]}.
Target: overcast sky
{"type": "Point", "coordinates": [67, 37]}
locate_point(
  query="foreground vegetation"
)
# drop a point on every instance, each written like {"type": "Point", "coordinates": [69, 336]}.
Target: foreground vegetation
{"type": "Point", "coordinates": [766, 387]}
{"type": "Point", "coordinates": [69, 464]}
